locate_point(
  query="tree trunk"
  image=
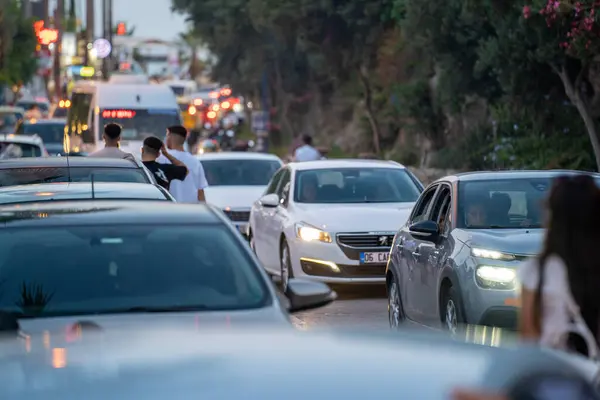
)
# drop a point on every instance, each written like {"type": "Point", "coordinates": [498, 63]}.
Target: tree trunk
{"type": "Point", "coordinates": [572, 89]}
{"type": "Point", "coordinates": [368, 99]}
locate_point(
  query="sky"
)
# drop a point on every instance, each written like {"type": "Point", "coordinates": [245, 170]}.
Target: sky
{"type": "Point", "coordinates": [152, 19]}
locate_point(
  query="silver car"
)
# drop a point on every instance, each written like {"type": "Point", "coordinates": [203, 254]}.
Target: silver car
{"type": "Point", "coordinates": [455, 260]}
{"type": "Point", "coordinates": [270, 364]}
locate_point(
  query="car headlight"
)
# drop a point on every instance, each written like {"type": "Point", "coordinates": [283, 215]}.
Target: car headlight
{"type": "Point", "coordinates": [310, 234]}
{"type": "Point", "coordinates": [492, 254]}
{"type": "Point", "coordinates": [496, 277]}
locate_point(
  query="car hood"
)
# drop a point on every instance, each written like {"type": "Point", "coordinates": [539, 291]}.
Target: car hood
{"type": "Point", "coordinates": [365, 217]}
{"type": "Point", "coordinates": [517, 241]}
{"type": "Point", "coordinates": [175, 320]}
{"type": "Point", "coordinates": [233, 196]}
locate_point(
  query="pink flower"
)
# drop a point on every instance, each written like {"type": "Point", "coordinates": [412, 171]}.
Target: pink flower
{"type": "Point", "coordinates": [526, 12]}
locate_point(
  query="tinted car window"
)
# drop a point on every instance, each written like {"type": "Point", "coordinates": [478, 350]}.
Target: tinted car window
{"type": "Point", "coordinates": [355, 185]}
{"type": "Point", "coordinates": [50, 133]}
{"type": "Point", "coordinates": [19, 150]}
{"type": "Point", "coordinates": [95, 269]}
{"type": "Point", "coordinates": [28, 176]}
{"type": "Point", "coordinates": [239, 172]}
{"type": "Point", "coordinates": [503, 203]}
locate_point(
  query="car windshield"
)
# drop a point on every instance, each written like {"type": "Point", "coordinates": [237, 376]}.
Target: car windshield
{"type": "Point", "coordinates": [34, 175]}
{"type": "Point", "coordinates": [49, 132]}
{"type": "Point", "coordinates": [139, 124]}
{"type": "Point", "coordinates": [503, 203]}
{"type": "Point", "coordinates": [58, 271]}
{"type": "Point", "coordinates": [239, 172]}
{"type": "Point", "coordinates": [29, 105]}
{"type": "Point", "coordinates": [356, 185]}
{"type": "Point", "coordinates": [18, 150]}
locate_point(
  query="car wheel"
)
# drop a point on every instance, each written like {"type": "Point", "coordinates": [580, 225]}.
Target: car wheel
{"type": "Point", "coordinates": [452, 319]}
{"type": "Point", "coordinates": [395, 312]}
{"type": "Point", "coordinates": [285, 266]}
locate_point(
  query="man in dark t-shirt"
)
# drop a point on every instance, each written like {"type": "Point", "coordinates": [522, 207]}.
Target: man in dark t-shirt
{"type": "Point", "coordinates": [164, 173]}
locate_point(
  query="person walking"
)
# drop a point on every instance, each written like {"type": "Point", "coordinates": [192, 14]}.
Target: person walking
{"type": "Point", "coordinates": [191, 189]}
{"type": "Point", "coordinates": [152, 148]}
{"type": "Point", "coordinates": [559, 297]}
{"type": "Point", "coordinates": [112, 139]}
{"type": "Point", "coordinates": [307, 152]}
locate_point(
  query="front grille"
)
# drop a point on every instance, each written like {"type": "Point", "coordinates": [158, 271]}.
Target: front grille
{"type": "Point", "coordinates": [238, 216]}
{"type": "Point", "coordinates": [366, 240]}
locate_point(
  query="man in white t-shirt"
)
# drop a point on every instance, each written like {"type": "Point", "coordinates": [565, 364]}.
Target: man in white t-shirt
{"type": "Point", "coordinates": [191, 189]}
{"type": "Point", "coordinates": [307, 152]}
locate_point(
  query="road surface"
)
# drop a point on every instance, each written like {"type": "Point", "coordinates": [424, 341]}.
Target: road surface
{"type": "Point", "coordinates": [356, 307]}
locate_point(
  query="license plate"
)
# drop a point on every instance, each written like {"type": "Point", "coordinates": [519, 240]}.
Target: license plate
{"type": "Point", "coordinates": [374, 258]}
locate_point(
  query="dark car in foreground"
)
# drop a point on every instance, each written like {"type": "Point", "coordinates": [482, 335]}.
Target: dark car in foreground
{"type": "Point", "coordinates": [126, 263]}
{"type": "Point", "coordinates": [271, 364]}
{"type": "Point", "coordinates": [52, 132]}
{"type": "Point", "coordinates": [82, 191]}
{"type": "Point", "coordinates": [27, 171]}
{"type": "Point", "coordinates": [455, 261]}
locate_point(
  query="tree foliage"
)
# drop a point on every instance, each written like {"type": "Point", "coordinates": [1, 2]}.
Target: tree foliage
{"type": "Point", "coordinates": [17, 44]}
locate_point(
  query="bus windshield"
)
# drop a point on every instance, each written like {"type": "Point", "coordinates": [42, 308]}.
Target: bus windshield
{"type": "Point", "coordinates": [141, 123]}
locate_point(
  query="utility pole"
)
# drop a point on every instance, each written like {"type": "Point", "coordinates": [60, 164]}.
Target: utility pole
{"type": "Point", "coordinates": [89, 28]}
{"type": "Point", "coordinates": [104, 35]}
{"type": "Point", "coordinates": [46, 15]}
{"type": "Point", "coordinates": [58, 25]}
{"type": "Point", "coordinates": [110, 57]}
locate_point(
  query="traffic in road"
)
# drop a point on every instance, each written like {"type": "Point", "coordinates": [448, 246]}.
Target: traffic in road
{"type": "Point", "coordinates": [234, 241]}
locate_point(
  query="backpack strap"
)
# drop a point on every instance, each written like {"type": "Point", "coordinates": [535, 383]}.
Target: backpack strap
{"type": "Point", "coordinates": [579, 327]}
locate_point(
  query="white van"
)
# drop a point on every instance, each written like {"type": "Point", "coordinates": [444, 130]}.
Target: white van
{"type": "Point", "coordinates": [141, 109]}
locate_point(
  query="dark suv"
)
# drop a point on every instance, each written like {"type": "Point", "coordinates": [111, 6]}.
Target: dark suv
{"type": "Point", "coordinates": [26, 171]}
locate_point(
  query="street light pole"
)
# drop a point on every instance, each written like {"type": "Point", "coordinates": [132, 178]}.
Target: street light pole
{"type": "Point", "coordinates": [110, 35]}
{"type": "Point", "coordinates": [58, 25]}
{"type": "Point", "coordinates": [89, 28]}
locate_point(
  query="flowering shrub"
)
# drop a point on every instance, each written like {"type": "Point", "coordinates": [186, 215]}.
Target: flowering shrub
{"type": "Point", "coordinates": [576, 21]}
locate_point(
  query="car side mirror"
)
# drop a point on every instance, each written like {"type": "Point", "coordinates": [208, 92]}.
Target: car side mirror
{"type": "Point", "coordinates": [269, 200]}
{"type": "Point", "coordinates": [306, 295]}
{"type": "Point", "coordinates": [426, 230]}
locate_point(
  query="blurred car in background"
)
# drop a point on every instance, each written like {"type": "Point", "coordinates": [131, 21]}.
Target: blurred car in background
{"type": "Point", "coordinates": [82, 191]}
{"type": "Point", "coordinates": [60, 109]}
{"type": "Point", "coordinates": [52, 132]}
{"type": "Point", "coordinates": [9, 118]}
{"type": "Point", "coordinates": [236, 180]}
{"type": "Point", "coordinates": [28, 105]}
{"type": "Point", "coordinates": [21, 146]}
{"type": "Point", "coordinates": [72, 169]}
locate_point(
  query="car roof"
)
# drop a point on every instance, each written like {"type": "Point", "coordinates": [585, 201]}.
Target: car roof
{"type": "Point", "coordinates": [57, 121]}
{"type": "Point", "coordinates": [238, 155]}
{"type": "Point", "coordinates": [79, 191]}
{"type": "Point", "coordinates": [12, 109]}
{"type": "Point", "coordinates": [263, 363]}
{"type": "Point", "coordinates": [30, 139]}
{"type": "Point", "coordinates": [344, 163]}
{"type": "Point", "coordinates": [73, 162]}
{"type": "Point", "coordinates": [520, 174]}
{"type": "Point", "coordinates": [102, 212]}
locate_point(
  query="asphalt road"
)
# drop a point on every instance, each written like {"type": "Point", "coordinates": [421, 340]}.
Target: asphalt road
{"type": "Point", "coordinates": [356, 307]}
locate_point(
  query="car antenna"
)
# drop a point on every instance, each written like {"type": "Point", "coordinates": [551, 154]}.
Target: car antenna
{"type": "Point", "coordinates": [68, 167]}
{"type": "Point", "coordinates": [93, 191]}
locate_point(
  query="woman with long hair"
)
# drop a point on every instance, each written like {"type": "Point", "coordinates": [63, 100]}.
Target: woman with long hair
{"type": "Point", "coordinates": [560, 288]}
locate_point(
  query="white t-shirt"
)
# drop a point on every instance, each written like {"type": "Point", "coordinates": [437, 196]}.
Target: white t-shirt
{"type": "Point", "coordinates": [111, 152]}
{"type": "Point", "coordinates": [555, 316]}
{"type": "Point", "coordinates": [186, 191]}
{"type": "Point", "coordinates": [307, 153]}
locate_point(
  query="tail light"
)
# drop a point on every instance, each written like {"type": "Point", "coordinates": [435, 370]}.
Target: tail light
{"type": "Point", "coordinates": [192, 110]}
{"type": "Point", "coordinates": [215, 107]}
{"type": "Point", "coordinates": [211, 115]}
{"type": "Point", "coordinates": [225, 105]}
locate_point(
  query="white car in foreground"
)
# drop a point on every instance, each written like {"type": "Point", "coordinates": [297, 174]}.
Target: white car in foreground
{"type": "Point", "coordinates": [236, 180]}
{"type": "Point", "coordinates": [332, 220]}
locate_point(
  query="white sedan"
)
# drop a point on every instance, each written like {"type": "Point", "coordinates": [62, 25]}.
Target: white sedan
{"type": "Point", "coordinates": [332, 220]}
{"type": "Point", "coordinates": [236, 180]}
